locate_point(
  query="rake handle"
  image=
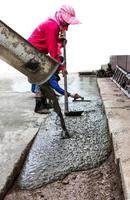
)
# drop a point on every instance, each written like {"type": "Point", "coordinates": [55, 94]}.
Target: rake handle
{"type": "Point", "coordinates": [65, 78]}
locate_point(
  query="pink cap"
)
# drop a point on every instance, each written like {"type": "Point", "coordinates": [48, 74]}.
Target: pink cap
{"type": "Point", "coordinates": [68, 15]}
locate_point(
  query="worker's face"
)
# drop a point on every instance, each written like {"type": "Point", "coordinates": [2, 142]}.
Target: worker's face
{"type": "Point", "coordinates": [65, 25]}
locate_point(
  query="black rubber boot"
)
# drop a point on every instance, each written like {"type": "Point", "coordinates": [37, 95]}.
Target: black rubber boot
{"type": "Point", "coordinates": [40, 107]}
{"type": "Point", "coordinates": [46, 104]}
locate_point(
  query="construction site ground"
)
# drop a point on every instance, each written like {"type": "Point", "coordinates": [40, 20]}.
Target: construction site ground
{"type": "Point", "coordinates": [102, 174]}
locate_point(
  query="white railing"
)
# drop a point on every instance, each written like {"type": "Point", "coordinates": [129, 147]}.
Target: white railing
{"type": "Point", "coordinates": [122, 80]}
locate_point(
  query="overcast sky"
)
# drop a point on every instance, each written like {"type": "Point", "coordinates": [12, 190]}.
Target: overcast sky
{"type": "Point", "coordinates": [104, 30]}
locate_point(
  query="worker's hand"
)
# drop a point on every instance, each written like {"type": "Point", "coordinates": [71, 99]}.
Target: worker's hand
{"type": "Point", "coordinates": [71, 95]}
{"type": "Point", "coordinates": [64, 41]}
{"type": "Point", "coordinates": [76, 96]}
{"type": "Point", "coordinates": [64, 72]}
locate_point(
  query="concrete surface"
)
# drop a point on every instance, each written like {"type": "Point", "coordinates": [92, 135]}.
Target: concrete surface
{"type": "Point", "coordinates": [21, 124]}
{"type": "Point", "coordinates": [100, 183]}
{"type": "Point", "coordinates": [117, 107]}
{"type": "Point", "coordinates": [18, 127]}
{"type": "Point", "coordinates": [67, 163]}
{"type": "Point", "coordinates": [52, 158]}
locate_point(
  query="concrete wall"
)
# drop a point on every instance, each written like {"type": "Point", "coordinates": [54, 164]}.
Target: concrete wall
{"type": "Point", "coordinates": [121, 60]}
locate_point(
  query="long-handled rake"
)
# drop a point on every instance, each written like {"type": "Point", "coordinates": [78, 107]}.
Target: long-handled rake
{"type": "Point", "coordinates": [67, 112]}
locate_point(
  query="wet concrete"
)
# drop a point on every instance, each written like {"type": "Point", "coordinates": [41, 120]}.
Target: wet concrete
{"type": "Point", "coordinates": [101, 183]}
{"type": "Point", "coordinates": [52, 158]}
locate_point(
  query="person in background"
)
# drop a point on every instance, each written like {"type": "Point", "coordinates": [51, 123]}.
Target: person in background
{"type": "Point", "coordinates": [46, 39]}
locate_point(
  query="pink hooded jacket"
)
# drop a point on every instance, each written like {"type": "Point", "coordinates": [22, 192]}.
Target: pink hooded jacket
{"type": "Point", "coordinates": [46, 37]}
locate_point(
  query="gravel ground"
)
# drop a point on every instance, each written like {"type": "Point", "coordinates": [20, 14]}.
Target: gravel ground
{"type": "Point", "coordinates": [102, 183]}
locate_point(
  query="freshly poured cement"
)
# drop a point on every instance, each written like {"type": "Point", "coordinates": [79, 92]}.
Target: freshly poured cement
{"type": "Point", "coordinates": [101, 183]}
{"type": "Point", "coordinates": [52, 158]}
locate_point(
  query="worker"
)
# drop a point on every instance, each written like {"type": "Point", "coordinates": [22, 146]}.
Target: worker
{"type": "Point", "coordinates": [46, 38]}
{"type": "Point", "coordinates": [53, 83]}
